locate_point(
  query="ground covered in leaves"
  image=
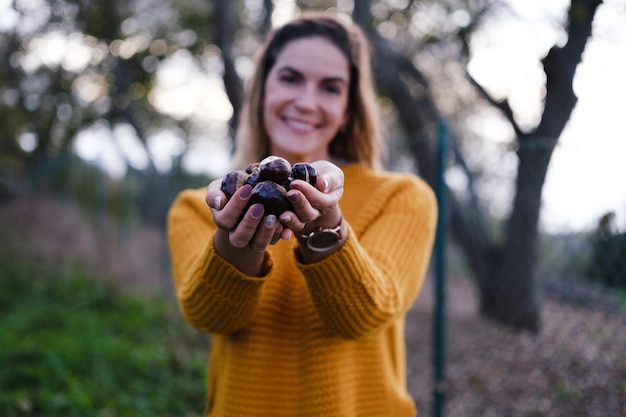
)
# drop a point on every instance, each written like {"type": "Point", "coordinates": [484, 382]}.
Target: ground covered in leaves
{"type": "Point", "coordinates": [575, 366]}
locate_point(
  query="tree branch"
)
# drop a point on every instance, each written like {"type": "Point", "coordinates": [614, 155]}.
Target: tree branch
{"type": "Point", "coordinates": [503, 105]}
{"type": "Point", "coordinates": [560, 66]}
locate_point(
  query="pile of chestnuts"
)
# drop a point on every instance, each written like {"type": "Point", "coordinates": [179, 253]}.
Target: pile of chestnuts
{"type": "Point", "coordinates": [270, 180]}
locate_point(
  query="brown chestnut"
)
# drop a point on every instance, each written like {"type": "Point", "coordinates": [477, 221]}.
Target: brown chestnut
{"type": "Point", "coordinates": [252, 167]}
{"type": "Point", "coordinates": [275, 169]}
{"type": "Point", "coordinates": [271, 195]}
{"type": "Point", "coordinates": [232, 181]}
{"type": "Point", "coordinates": [305, 172]}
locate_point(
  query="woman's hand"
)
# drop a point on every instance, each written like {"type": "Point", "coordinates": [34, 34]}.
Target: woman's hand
{"type": "Point", "coordinates": [242, 240]}
{"type": "Point", "coordinates": [315, 206]}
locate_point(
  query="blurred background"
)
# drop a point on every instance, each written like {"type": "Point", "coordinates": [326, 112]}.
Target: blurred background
{"type": "Point", "coordinates": [511, 110]}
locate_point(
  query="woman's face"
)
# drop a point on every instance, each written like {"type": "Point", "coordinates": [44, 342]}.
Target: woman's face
{"type": "Point", "coordinates": [306, 99]}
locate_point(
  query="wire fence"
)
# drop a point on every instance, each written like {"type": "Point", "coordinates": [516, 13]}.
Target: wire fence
{"type": "Point", "coordinates": [458, 363]}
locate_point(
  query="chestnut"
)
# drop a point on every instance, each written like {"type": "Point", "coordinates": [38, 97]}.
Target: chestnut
{"type": "Point", "coordinates": [252, 167]}
{"type": "Point", "coordinates": [305, 172]}
{"type": "Point", "coordinates": [232, 181]}
{"type": "Point", "coordinates": [275, 169]}
{"type": "Point", "coordinates": [271, 195]}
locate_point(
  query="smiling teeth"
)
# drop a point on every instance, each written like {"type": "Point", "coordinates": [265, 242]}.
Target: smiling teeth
{"type": "Point", "coordinates": [301, 125]}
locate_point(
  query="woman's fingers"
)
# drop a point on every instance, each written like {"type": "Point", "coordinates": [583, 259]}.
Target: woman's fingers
{"type": "Point", "coordinates": [309, 202]}
{"type": "Point", "coordinates": [227, 214]}
{"type": "Point", "coordinates": [291, 222]}
{"type": "Point", "coordinates": [215, 198]}
{"type": "Point", "coordinates": [303, 201]}
{"type": "Point", "coordinates": [329, 176]}
{"type": "Point", "coordinates": [253, 228]}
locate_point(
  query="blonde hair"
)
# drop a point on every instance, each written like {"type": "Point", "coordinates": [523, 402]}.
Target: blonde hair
{"type": "Point", "coordinates": [359, 141]}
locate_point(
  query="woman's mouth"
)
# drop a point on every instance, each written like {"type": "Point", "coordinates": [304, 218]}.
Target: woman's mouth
{"type": "Point", "coordinates": [299, 124]}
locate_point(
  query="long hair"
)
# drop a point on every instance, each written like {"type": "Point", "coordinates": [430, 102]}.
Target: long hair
{"type": "Point", "coordinates": [359, 141]}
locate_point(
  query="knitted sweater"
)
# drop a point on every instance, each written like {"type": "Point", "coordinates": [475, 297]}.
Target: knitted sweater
{"type": "Point", "coordinates": [322, 339]}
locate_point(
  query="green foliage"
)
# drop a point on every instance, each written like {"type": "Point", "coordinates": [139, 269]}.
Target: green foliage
{"type": "Point", "coordinates": [74, 345]}
{"type": "Point", "coordinates": [608, 263]}
{"type": "Point", "coordinates": [566, 391]}
{"type": "Point", "coordinates": [621, 296]}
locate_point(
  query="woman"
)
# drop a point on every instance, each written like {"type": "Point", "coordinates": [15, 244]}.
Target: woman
{"type": "Point", "coordinates": [303, 329]}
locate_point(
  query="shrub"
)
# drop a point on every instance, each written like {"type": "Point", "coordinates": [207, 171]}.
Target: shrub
{"type": "Point", "coordinates": [75, 345]}
{"type": "Point", "coordinates": [608, 262]}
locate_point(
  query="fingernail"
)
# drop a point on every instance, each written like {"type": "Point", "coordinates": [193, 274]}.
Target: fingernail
{"type": "Point", "coordinates": [257, 210]}
{"type": "Point", "coordinates": [287, 235]}
{"type": "Point", "coordinates": [294, 198]}
{"type": "Point", "coordinates": [270, 220]}
{"type": "Point", "coordinates": [217, 202]}
{"type": "Point", "coordinates": [326, 185]}
{"type": "Point", "coordinates": [285, 218]}
{"type": "Point", "coordinates": [246, 190]}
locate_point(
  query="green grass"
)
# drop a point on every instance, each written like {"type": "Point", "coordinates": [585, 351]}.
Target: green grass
{"type": "Point", "coordinates": [621, 295]}
{"type": "Point", "coordinates": [73, 345]}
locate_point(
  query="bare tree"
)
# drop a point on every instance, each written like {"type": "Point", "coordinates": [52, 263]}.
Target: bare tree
{"type": "Point", "coordinates": [509, 291]}
{"type": "Point", "coordinates": [504, 270]}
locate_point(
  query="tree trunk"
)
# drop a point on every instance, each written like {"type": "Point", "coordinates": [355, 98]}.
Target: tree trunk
{"type": "Point", "coordinates": [510, 294]}
{"type": "Point", "coordinates": [225, 31]}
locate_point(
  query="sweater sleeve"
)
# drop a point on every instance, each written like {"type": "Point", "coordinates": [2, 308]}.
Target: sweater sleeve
{"type": "Point", "coordinates": [213, 295]}
{"type": "Point", "coordinates": [375, 277]}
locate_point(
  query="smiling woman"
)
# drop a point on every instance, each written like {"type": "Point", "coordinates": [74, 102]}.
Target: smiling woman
{"type": "Point", "coordinates": [312, 325]}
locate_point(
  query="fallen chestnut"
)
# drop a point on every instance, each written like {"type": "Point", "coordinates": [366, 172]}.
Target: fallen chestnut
{"type": "Point", "coordinates": [270, 180]}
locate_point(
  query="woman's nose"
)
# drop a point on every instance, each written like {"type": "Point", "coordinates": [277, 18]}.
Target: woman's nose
{"type": "Point", "coordinates": [306, 98]}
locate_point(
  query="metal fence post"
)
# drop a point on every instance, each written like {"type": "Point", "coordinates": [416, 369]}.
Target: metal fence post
{"type": "Point", "coordinates": [439, 313]}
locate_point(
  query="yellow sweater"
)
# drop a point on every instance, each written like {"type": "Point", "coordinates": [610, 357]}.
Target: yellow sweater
{"type": "Point", "coordinates": [324, 339]}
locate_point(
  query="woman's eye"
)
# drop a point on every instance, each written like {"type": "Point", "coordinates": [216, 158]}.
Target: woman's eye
{"type": "Point", "coordinates": [288, 78]}
{"type": "Point", "coordinates": [333, 89]}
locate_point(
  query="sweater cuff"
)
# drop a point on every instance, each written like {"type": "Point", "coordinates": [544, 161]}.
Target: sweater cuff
{"type": "Point", "coordinates": [227, 280]}
{"type": "Point", "coordinates": [335, 274]}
